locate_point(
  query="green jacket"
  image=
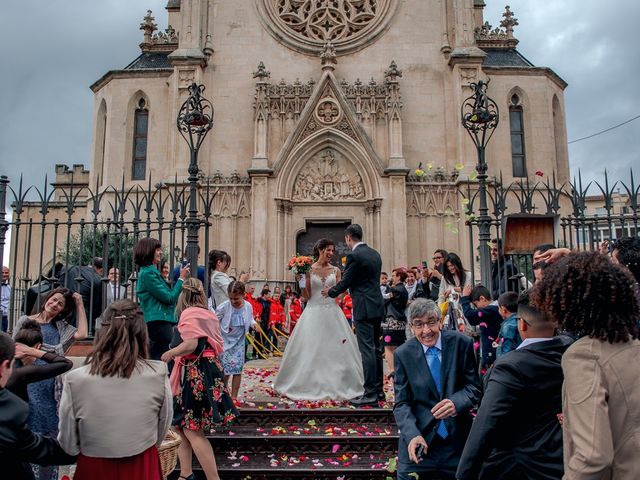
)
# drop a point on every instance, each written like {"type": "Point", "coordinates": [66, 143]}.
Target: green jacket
{"type": "Point", "coordinates": [157, 300]}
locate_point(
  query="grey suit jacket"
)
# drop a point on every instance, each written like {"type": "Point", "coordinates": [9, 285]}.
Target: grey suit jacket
{"type": "Point", "coordinates": [416, 393]}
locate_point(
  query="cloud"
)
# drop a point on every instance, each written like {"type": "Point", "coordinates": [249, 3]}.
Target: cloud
{"type": "Point", "coordinates": [50, 57]}
{"type": "Point", "coordinates": [52, 54]}
{"type": "Point", "coordinates": [593, 46]}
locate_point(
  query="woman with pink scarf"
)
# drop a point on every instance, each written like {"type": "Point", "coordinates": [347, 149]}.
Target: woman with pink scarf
{"type": "Point", "coordinates": [201, 401]}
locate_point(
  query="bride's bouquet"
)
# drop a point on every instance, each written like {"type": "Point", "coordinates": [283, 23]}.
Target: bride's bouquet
{"type": "Point", "coordinates": [300, 264]}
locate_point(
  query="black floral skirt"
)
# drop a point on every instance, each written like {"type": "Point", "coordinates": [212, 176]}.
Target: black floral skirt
{"type": "Point", "coordinates": [393, 332]}
{"type": "Point", "coordinates": [204, 403]}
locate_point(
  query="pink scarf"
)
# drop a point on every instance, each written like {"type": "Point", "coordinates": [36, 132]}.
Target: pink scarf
{"type": "Point", "coordinates": [195, 323]}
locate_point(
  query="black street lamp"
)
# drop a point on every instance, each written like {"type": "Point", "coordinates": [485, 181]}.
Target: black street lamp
{"type": "Point", "coordinates": [480, 119]}
{"type": "Point", "coordinates": [194, 121]}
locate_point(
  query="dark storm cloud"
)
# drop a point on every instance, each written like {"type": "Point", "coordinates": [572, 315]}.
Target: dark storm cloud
{"type": "Point", "coordinates": [593, 45]}
{"type": "Point", "coordinates": [52, 51]}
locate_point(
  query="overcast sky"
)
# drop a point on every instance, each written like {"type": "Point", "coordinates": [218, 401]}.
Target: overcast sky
{"type": "Point", "coordinates": [51, 51]}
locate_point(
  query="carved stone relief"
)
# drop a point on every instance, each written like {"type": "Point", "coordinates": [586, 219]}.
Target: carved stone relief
{"type": "Point", "coordinates": [307, 25]}
{"type": "Point", "coordinates": [328, 176]}
{"type": "Point", "coordinates": [328, 111]}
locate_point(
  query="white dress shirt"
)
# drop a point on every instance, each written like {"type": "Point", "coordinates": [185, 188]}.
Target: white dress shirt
{"type": "Point", "coordinates": [530, 341]}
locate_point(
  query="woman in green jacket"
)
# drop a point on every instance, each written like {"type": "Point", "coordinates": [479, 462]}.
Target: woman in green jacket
{"type": "Point", "coordinates": [157, 299]}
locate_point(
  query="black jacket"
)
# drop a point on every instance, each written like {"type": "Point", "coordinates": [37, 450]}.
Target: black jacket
{"type": "Point", "coordinates": [19, 446]}
{"type": "Point", "coordinates": [398, 303]}
{"type": "Point", "coordinates": [516, 434]}
{"type": "Point", "coordinates": [362, 278]}
{"type": "Point", "coordinates": [502, 272]}
{"type": "Point", "coordinates": [23, 375]}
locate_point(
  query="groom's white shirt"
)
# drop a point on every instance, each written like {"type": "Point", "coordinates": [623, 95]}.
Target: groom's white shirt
{"type": "Point", "coordinates": [356, 245]}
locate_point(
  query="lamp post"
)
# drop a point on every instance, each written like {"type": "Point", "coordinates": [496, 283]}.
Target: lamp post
{"type": "Point", "coordinates": [480, 118]}
{"type": "Point", "coordinates": [195, 119]}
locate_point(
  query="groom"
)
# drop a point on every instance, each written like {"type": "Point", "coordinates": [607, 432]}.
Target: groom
{"type": "Point", "coordinates": [361, 276]}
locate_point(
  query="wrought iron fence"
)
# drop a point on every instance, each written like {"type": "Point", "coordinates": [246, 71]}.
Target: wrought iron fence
{"type": "Point", "coordinates": [575, 215]}
{"type": "Point", "coordinates": [66, 225]}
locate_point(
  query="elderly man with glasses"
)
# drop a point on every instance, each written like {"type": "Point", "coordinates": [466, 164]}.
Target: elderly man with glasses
{"type": "Point", "coordinates": [436, 385]}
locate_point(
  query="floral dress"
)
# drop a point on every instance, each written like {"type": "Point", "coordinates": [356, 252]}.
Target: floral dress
{"type": "Point", "coordinates": [204, 403]}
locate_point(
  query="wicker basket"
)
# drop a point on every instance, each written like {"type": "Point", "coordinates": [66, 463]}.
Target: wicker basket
{"type": "Point", "coordinates": [168, 452]}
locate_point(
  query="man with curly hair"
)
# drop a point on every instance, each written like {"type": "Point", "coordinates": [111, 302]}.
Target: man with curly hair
{"type": "Point", "coordinates": [594, 299]}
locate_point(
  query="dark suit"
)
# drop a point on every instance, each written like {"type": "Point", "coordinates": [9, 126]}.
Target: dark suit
{"type": "Point", "coordinates": [516, 434]}
{"type": "Point", "coordinates": [416, 394]}
{"type": "Point", "coordinates": [19, 446]}
{"type": "Point", "coordinates": [362, 278]}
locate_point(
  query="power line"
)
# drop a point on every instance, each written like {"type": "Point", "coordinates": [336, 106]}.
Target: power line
{"type": "Point", "coordinates": [605, 131]}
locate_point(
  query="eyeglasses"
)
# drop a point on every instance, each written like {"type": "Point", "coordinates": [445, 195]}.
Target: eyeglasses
{"type": "Point", "coordinates": [436, 258]}
{"type": "Point", "coordinates": [522, 318]}
{"type": "Point", "coordinates": [420, 325]}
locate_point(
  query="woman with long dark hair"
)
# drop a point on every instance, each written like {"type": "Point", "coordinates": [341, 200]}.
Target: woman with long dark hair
{"type": "Point", "coordinates": [156, 298]}
{"type": "Point", "coordinates": [454, 278]}
{"type": "Point", "coordinates": [116, 409]}
{"type": "Point", "coordinates": [595, 300]}
{"type": "Point", "coordinates": [58, 335]}
{"type": "Point", "coordinates": [219, 262]}
{"type": "Point", "coordinates": [321, 360]}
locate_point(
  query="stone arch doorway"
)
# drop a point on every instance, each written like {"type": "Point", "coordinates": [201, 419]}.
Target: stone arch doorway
{"type": "Point", "coordinates": [315, 230]}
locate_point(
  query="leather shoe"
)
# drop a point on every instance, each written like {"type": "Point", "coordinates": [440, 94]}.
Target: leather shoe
{"type": "Point", "coordinates": [365, 402]}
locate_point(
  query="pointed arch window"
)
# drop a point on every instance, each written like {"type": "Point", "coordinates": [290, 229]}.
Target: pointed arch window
{"type": "Point", "coordinates": [516, 122]}
{"type": "Point", "coordinates": [140, 130]}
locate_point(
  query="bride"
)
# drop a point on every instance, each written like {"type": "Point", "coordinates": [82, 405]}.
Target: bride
{"type": "Point", "coordinates": [321, 359]}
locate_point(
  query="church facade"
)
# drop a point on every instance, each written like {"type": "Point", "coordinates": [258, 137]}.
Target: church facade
{"type": "Point", "coordinates": [328, 112]}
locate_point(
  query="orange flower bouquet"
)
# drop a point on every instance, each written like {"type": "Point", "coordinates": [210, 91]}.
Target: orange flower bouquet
{"type": "Point", "coordinates": [300, 264]}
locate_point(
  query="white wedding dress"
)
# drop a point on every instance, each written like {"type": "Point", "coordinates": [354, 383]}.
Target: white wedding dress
{"type": "Point", "coordinates": [321, 360]}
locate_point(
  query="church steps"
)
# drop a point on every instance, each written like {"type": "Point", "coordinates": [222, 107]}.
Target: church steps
{"type": "Point", "coordinates": [331, 443]}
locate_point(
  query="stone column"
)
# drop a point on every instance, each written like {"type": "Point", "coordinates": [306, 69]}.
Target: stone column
{"type": "Point", "coordinates": [398, 218]}
{"type": "Point", "coordinates": [259, 224]}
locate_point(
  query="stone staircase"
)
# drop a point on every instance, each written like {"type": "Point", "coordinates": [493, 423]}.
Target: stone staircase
{"type": "Point", "coordinates": [269, 442]}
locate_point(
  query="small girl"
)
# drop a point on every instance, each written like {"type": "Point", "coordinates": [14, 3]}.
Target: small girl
{"type": "Point", "coordinates": [236, 318]}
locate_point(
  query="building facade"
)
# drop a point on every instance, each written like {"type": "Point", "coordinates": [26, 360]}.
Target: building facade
{"type": "Point", "coordinates": [324, 112]}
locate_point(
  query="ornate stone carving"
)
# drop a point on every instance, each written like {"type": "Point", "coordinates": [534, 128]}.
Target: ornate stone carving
{"type": "Point", "coordinates": [169, 36]}
{"type": "Point", "coordinates": [328, 57]}
{"type": "Point", "coordinates": [186, 78]}
{"type": "Point", "coordinates": [328, 176]}
{"type": "Point", "coordinates": [433, 200]}
{"type": "Point", "coordinates": [499, 37]}
{"type": "Point", "coordinates": [166, 41]}
{"type": "Point", "coordinates": [371, 100]}
{"type": "Point", "coordinates": [148, 26]}
{"type": "Point", "coordinates": [468, 75]}
{"type": "Point", "coordinates": [307, 25]}
{"type": "Point", "coordinates": [328, 111]}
